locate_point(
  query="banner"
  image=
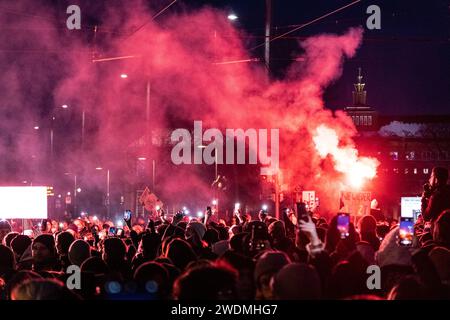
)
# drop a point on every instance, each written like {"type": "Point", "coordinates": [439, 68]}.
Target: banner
{"type": "Point", "coordinates": [355, 203]}
{"type": "Point", "coordinates": [309, 197]}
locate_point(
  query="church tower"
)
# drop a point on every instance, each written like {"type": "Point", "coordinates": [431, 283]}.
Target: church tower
{"type": "Point", "coordinates": [364, 116]}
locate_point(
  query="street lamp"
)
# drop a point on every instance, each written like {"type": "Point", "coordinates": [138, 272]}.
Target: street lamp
{"type": "Point", "coordinates": [107, 202]}
{"type": "Point", "coordinates": [75, 191]}
{"type": "Point", "coordinates": [52, 128]}
{"type": "Point", "coordinates": [232, 17]}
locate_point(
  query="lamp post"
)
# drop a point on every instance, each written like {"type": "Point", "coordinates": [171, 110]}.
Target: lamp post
{"type": "Point", "coordinates": [108, 186]}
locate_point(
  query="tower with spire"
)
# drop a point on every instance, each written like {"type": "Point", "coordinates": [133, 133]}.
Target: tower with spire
{"type": "Point", "coordinates": [364, 116]}
{"type": "Point", "coordinates": [359, 95]}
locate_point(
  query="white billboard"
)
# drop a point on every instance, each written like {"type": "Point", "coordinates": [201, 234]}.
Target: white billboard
{"type": "Point", "coordinates": [410, 207]}
{"type": "Point", "coordinates": [23, 202]}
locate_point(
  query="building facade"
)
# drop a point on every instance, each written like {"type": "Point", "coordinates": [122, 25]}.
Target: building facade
{"type": "Point", "coordinates": [408, 147]}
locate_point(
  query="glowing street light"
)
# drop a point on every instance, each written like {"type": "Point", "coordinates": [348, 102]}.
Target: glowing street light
{"type": "Point", "coordinates": [123, 75]}
{"type": "Point", "coordinates": [142, 158]}
{"type": "Point", "coordinates": [64, 106]}
{"type": "Point", "coordinates": [78, 190]}
{"type": "Point", "coordinates": [36, 127]}
{"type": "Point", "coordinates": [264, 207]}
{"type": "Point", "coordinates": [98, 168]}
{"type": "Point", "coordinates": [214, 202]}
{"type": "Point", "coordinates": [232, 17]}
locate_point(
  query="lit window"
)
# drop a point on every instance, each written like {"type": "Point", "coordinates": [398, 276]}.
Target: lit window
{"type": "Point", "coordinates": [395, 170]}
{"type": "Point", "coordinates": [365, 120]}
{"type": "Point", "coordinates": [406, 171]}
{"type": "Point", "coordinates": [357, 120]}
{"type": "Point", "coordinates": [410, 155]}
{"type": "Point", "coordinates": [425, 171]}
{"type": "Point", "coordinates": [415, 170]}
{"type": "Point", "coordinates": [369, 120]}
{"type": "Point", "coordinates": [393, 155]}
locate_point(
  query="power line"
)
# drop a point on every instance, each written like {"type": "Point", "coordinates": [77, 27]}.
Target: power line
{"type": "Point", "coordinates": [153, 18]}
{"type": "Point", "coordinates": [308, 23]}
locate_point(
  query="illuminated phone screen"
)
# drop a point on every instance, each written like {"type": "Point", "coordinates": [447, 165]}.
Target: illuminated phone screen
{"type": "Point", "coordinates": [343, 223]}
{"type": "Point", "coordinates": [406, 231]}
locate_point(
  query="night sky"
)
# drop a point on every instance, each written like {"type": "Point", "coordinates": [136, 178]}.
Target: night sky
{"type": "Point", "coordinates": [405, 65]}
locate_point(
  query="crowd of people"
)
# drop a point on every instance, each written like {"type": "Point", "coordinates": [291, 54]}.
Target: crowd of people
{"type": "Point", "coordinates": [265, 258]}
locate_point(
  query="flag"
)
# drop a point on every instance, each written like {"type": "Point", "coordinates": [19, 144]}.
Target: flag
{"type": "Point", "coordinates": [149, 200]}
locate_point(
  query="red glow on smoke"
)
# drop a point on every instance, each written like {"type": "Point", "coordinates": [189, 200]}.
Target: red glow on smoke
{"type": "Point", "coordinates": [186, 58]}
{"type": "Point", "coordinates": [346, 160]}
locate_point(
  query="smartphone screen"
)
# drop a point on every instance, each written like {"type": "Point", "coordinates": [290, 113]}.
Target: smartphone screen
{"type": "Point", "coordinates": [112, 231]}
{"type": "Point", "coordinates": [406, 231]}
{"type": "Point", "coordinates": [343, 224]}
{"type": "Point", "coordinates": [302, 214]}
{"type": "Point", "coordinates": [127, 215]}
{"type": "Point", "coordinates": [119, 232]}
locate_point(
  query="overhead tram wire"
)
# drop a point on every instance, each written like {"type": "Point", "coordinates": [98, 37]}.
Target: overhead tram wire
{"type": "Point", "coordinates": [308, 23]}
{"type": "Point", "coordinates": [160, 12]}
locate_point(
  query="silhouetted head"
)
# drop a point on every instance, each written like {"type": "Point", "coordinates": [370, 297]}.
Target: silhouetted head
{"type": "Point", "coordinates": [63, 242]}
{"type": "Point", "coordinates": [7, 259]}
{"type": "Point", "coordinates": [152, 278]}
{"type": "Point", "coordinates": [207, 283]}
{"type": "Point", "coordinates": [42, 289]}
{"type": "Point", "coordinates": [180, 253]}
{"type": "Point", "coordinates": [43, 249]}
{"type": "Point", "coordinates": [114, 251]}
{"type": "Point", "coordinates": [79, 251]}
{"type": "Point", "coordinates": [441, 229]}
{"type": "Point", "coordinates": [296, 281]}
{"type": "Point", "coordinates": [439, 176]}
{"type": "Point", "coordinates": [8, 238]}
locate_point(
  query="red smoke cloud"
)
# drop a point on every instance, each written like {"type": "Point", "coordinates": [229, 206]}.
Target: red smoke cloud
{"type": "Point", "coordinates": [177, 55]}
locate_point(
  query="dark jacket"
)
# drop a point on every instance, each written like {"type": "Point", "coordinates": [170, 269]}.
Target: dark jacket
{"type": "Point", "coordinates": [438, 202]}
